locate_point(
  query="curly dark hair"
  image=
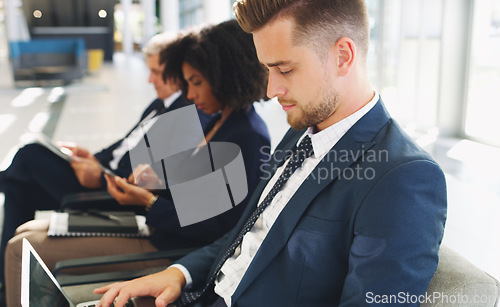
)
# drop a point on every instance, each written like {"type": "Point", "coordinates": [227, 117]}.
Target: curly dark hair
{"type": "Point", "coordinates": [225, 55]}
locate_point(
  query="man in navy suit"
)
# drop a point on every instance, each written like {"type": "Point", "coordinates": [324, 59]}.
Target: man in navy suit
{"type": "Point", "coordinates": [37, 179]}
{"type": "Point", "coordinates": [358, 220]}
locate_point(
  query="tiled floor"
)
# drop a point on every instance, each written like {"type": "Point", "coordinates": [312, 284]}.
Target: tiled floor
{"type": "Point", "coordinates": [101, 108]}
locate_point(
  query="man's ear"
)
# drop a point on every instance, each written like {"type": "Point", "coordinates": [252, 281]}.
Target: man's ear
{"type": "Point", "coordinates": [345, 50]}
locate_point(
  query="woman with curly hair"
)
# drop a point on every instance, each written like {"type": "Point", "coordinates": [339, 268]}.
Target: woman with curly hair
{"type": "Point", "coordinates": [218, 70]}
{"type": "Point", "coordinates": [225, 57]}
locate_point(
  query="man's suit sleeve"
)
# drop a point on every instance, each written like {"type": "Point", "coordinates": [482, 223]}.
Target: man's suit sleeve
{"type": "Point", "coordinates": [397, 233]}
{"type": "Point", "coordinates": [200, 262]}
{"type": "Point", "coordinates": [106, 154]}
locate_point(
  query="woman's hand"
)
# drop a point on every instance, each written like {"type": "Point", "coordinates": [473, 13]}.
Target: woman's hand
{"type": "Point", "coordinates": [165, 286]}
{"type": "Point", "coordinates": [144, 176]}
{"type": "Point", "coordinates": [126, 193]}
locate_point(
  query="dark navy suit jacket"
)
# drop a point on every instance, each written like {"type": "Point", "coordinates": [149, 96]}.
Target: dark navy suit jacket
{"type": "Point", "coordinates": [343, 239]}
{"type": "Point", "coordinates": [247, 130]}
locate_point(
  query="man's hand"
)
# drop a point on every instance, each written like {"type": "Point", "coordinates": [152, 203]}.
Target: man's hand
{"type": "Point", "coordinates": [87, 172]}
{"type": "Point", "coordinates": [77, 151]}
{"type": "Point", "coordinates": [126, 193]}
{"type": "Point", "coordinates": [165, 286]}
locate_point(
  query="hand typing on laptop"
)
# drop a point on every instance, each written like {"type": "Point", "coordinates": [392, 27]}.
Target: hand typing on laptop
{"type": "Point", "coordinates": [165, 286]}
{"type": "Point", "coordinates": [41, 289]}
{"type": "Point", "coordinates": [129, 303]}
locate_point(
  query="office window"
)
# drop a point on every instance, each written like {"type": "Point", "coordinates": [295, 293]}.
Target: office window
{"type": "Point", "coordinates": [404, 58]}
{"type": "Point", "coordinates": [191, 12]}
{"type": "Point", "coordinates": [3, 38]}
{"type": "Point", "coordinates": [231, 13]}
{"type": "Point", "coordinates": [483, 106]}
{"type": "Point", "coordinates": [135, 22]}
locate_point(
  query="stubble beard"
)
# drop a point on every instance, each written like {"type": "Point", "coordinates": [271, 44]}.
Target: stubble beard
{"type": "Point", "coordinates": [312, 114]}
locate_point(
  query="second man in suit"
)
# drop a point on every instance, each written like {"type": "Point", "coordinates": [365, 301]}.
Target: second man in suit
{"type": "Point", "coordinates": [37, 179]}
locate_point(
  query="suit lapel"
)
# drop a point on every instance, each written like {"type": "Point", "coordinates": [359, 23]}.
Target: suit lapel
{"type": "Point", "coordinates": [277, 159]}
{"type": "Point", "coordinates": [355, 143]}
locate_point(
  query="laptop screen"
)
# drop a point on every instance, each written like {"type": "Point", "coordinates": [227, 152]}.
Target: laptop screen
{"type": "Point", "coordinates": [38, 286]}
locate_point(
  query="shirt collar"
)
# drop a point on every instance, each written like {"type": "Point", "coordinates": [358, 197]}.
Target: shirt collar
{"type": "Point", "coordinates": [170, 99]}
{"type": "Point", "coordinates": [325, 139]}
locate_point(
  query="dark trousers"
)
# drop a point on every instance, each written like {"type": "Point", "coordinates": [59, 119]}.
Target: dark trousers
{"type": "Point", "coordinates": [37, 179]}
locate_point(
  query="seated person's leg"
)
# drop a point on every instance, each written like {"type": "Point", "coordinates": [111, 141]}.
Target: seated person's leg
{"type": "Point", "coordinates": [52, 250]}
{"type": "Point", "coordinates": [21, 201]}
{"type": "Point", "coordinates": [37, 179]}
{"type": "Point", "coordinates": [36, 165]}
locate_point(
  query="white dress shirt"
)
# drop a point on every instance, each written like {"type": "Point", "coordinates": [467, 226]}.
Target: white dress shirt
{"type": "Point", "coordinates": [138, 133]}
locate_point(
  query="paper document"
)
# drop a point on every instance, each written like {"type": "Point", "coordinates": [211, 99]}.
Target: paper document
{"type": "Point", "coordinates": [62, 152]}
{"type": "Point", "coordinates": [59, 228]}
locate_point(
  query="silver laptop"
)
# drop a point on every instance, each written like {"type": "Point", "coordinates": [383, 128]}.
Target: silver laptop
{"type": "Point", "coordinates": [39, 287]}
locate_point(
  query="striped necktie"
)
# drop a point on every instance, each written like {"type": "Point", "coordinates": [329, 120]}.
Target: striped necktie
{"type": "Point", "coordinates": [303, 151]}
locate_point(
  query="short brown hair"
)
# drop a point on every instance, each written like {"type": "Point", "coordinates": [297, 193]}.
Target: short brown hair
{"type": "Point", "coordinates": [320, 22]}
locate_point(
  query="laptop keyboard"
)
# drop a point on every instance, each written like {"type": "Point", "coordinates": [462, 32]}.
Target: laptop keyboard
{"type": "Point", "coordinates": [128, 304]}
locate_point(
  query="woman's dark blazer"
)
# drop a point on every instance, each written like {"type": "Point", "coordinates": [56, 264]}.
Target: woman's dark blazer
{"type": "Point", "coordinates": [244, 128]}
